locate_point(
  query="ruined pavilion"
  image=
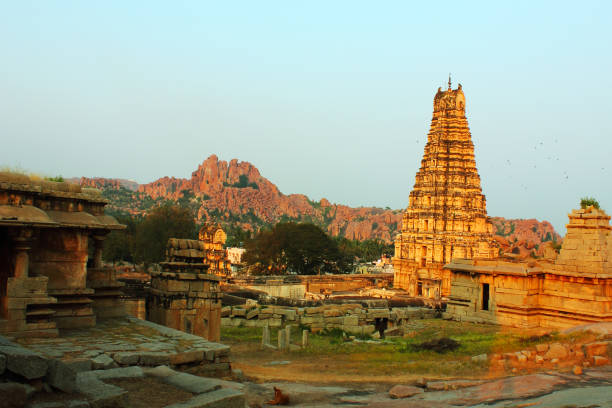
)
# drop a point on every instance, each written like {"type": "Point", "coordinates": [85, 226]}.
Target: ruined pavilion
{"type": "Point", "coordinates": [446, 216]}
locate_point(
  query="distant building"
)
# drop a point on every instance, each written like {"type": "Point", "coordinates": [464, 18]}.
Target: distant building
{"type": "Point", "coordinates": [234, 256]}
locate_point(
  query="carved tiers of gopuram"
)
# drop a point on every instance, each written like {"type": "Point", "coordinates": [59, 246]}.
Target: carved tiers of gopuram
{"type": "Point", "coordinates": [446, 216]}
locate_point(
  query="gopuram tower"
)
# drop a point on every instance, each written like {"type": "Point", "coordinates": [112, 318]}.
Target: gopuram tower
{"type": "Point", "coordinates": [446, 216]}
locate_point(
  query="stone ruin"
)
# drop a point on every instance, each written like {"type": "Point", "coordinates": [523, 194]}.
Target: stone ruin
{"type": "Point", "coordinates": [446, 216]}
{"type": "Point", "coordinates": [185, 294]}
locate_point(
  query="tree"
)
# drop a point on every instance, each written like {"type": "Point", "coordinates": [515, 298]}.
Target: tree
{"type": "Point", "coordinates": [119, 245]}
{"type": "Point", "coordinates": [152, 234]}
{"type": "Point", "coordinates": [302, 248]}
{"type": "Point", "coordinates": [587, 201]}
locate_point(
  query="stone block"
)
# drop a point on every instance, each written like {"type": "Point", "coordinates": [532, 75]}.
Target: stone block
{"type": "Point", "coordinates": [153, 359]}
{"type": "Point", "coordinates": [177, 285]}
{"type": "Point", "coordinates": [350, 320]}
{"type": "Point", "coordinates": [24, 362]}
{"type": "Point", "coordinates": [368, 329]}
{"type": "Point", "coordinates": [333, 313]}
{"type": "Point", "coordinates": [226, 321]}
{"type": "Point", "coordinates": [126, 358]}
{"type": "Point", "coordinates": [190, 356]}
{"type": "Point", "coordinates": [62, 374]}
{"type": "Point", "coordinates": [539, 359]}
{"type": "Point", "coordinates": [103, 362]}
{"type": "Point", "coordinates": [481, 358]}
{"type": "Point", "coordinates": [596, 349]}
{"type": "Point", "coordinates": [252, 313]}
{"type": "Point", "coordinates": [556, 350]}
{"type": "Point", "coordinates": [353, 329]}
{"type": "Point", "coordinates": [223, 398]}
{"type": "Point", "coordinates": [289, 314]}
{"type": "Point", "coordinates": [160, 372]}
{"type": "Point", "coordinates": [237, 311]}
{"type": "Point", "coordinates": [404, 391]}
{"type": "Point", "coordinates": [226, 311]}
{"type": "Point", "coordinates": [600, 361]}
{"type": "Point", "coordinates": [192, 383]}
{"type": "Point", "coordinates": [542, 348]}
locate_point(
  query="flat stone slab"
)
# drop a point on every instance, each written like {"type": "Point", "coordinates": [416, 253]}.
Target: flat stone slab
{"type": "Point", "coordinates": [223, 398]}
{"type": "Point", "coordinates": [126, 341]}
{"type": "Point", "coordinates": [192, 383]}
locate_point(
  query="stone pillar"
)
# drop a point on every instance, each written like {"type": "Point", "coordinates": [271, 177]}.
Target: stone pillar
{"type": "Point", "coordinates": [98, 247]}
{"type": "Point", "coordinates": [287, 336]}
{"type": "Point", "coordinates": [265, 337]}
{"type": "Point", "coordinates": [304, 338]}
{"type": "Point", "coordinates": [22, 240]}
{"type": "Point", "coordinates": [282, 335]}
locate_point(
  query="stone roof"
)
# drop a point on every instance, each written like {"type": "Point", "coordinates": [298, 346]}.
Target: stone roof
{"type": "Point", "coordinates": [494, 267]}
{"type": "Point", "coordinates": [23, 183]}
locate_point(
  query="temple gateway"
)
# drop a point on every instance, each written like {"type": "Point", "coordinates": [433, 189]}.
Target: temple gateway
{"type": "Point", "coordinates": [446, 216]}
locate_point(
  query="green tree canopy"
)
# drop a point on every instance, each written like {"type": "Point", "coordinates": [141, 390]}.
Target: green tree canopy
{"type": "Point", "coordinates": [290, 247]}
{"type": "Point", "coordinates": [119, 245]}
{"type": "Point", "coordinates": [163, 222]}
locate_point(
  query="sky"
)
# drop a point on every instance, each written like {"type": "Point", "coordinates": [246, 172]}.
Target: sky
{"type": "Point", "coordinates": [326, 98]}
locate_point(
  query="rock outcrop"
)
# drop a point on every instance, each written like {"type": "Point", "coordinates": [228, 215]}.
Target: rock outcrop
{"type": "Point", "coordinates": [236, 193]}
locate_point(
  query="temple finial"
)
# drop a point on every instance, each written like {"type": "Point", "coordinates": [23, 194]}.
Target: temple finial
{"type": "Point", "coordinates": [449, 81]}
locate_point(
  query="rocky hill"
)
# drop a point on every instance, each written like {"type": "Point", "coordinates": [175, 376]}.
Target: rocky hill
{"type": "Point", "coordinates": [235, 193]}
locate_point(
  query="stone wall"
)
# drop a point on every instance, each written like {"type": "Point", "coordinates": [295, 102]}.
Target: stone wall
{"type": "Point", "coordinates": [352, 318]}
{"type": "Point", "coordinates": [297, 286]}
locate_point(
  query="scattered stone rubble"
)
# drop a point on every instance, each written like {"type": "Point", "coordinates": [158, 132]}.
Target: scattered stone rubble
{"type": "Point", "coordinates": [352, 318]}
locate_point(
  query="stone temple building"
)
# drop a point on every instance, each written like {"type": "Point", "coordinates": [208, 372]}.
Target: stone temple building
{"type": "Point", "coordinates": [575, 288]}
{"type": "Point", "coordinates": [446, 216]}
{"type": "Point", "coordinates": [45, 281]}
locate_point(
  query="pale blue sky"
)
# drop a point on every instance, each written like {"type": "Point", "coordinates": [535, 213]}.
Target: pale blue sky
{"type": "Point", "coordinates": [331, 99]}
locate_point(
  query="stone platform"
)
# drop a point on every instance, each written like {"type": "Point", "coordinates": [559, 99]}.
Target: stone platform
{"type": "Point", "coordinates": [129, 341]}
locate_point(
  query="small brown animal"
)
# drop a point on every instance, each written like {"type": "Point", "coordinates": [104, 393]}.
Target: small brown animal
{"type": "Point", "coordinates": [279, 398]}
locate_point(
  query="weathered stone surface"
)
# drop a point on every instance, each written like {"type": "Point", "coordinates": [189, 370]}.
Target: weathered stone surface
{"type": "Point", "coordinates": [404, 391]}
{"type": "Point", "coordinates": [24, 362]}
{"type": "Point", "coordinates": [153, 359]}
{"type": "Point", "coordinates": [223, 398]}
{"type": "Point", "coordinates": [126, 358]}
{"type": "Point", "coordinates": [600, 361]}
{"type": "Point", "coordinates": [556, 350]}
{"type": "Point", "coordinates": [187, 357]}
{"type": "Point", "coordinates": [191, 383]}
{"type": "Point", "coordinates": [103, 362]}
{"type": "Point", "coordinates": [160, 372]}
{"type": "Point", "coordinates": [451, 384]}
{"type": "Point", "coordinates": [481, 358]}
{"type": "Point", "coordinates": [596, 349]}
{"type": "Point", "coordinates": [12, 395]}
{"type": "Point", "coordinates": [62, 374]}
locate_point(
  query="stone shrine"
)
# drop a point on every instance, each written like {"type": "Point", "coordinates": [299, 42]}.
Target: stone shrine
{"type": "Point", "coordinates": [45, 281]}
{"type": "Point", "coordinates": [446, 216]}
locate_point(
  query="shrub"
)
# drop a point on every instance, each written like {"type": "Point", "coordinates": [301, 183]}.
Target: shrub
{"type": "Point", "coordinates": [441, 345]}
{"type": "Point", "coordinates": [588, 201]}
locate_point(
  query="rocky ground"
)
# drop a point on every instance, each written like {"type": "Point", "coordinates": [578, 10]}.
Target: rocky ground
{"type": "Point", "coordinates": [593, 388]}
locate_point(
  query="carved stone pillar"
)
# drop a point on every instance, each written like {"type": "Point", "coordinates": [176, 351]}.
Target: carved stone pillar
{"type": "Point", "coordinates": [98, 247]}
{"type": "Point", "coordinates": [22, 241]}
